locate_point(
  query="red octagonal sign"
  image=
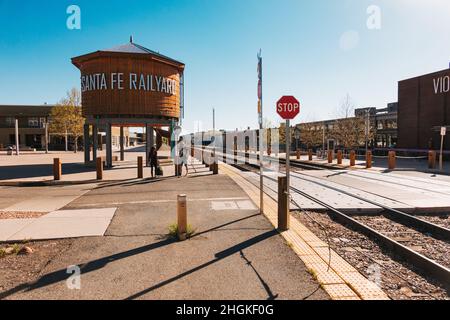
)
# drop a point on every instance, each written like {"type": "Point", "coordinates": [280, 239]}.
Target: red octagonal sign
{"type": "Point", "coordinates": [288, 107]}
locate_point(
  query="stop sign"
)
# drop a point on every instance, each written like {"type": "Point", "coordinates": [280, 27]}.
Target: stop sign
{"type": "Point", "coordinates": [288, 107]}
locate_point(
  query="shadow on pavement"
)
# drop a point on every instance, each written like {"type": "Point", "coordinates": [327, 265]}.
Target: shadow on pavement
{"type": "Point", "coordinates": [62, 275]}
{"type": "Point", "coordinates": [40, 170]}
{"type": "Point", "coordinates": [218, 256]}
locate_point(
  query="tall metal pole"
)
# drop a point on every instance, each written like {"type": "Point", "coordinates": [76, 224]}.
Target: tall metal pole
{"type": "Point", "coordinates": [46, 136]}
{"type": "Point", "coordinates": [214, 121]}
{"type": "Point", "coordinates": [323, 139]}
{"type": "Point", "coordinates": [17, 137]}
{"type": "Point", "coordinates": [214, 132]}
{"type": "Point", "coordinates": [367, 130]}
{"type": "Point", "coordinates": [288, 156]}
{"type": "Point", "coordinates": [67, 142]}
{"type": "Point", "coordinates": [261, 135]}
{"type": "Point", "coordinates": [440, 154]}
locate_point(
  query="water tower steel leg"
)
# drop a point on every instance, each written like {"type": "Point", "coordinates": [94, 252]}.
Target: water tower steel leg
{"type": "Point", "coordinates": [148, 129]}
{"type": "Point", "coordinates": [108, 146]}
{"type": "Point", "coordinates": [121, 141]}
{"type": "Point", "coordinates": [94, 142]}
{"type": "Point", "coordinates": [87, 153]}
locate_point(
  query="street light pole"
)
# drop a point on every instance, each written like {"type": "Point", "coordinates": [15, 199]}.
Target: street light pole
{"type": "Point", "coordinates": [367, 129]}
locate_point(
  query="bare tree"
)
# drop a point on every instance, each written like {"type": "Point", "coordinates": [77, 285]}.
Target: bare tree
{"type": "Point", "coordinates": [346, 108]}
{"type": "Point", "coordinates": [66, 117]}
{"type": "Point", "coordinates": [348, 130]}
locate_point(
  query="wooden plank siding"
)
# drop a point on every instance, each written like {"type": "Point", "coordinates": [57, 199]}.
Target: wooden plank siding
{"type": "Point", "coordinates": [126, 102]}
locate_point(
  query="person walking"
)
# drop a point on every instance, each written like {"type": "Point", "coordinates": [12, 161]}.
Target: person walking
{"type": "Point", "coordinates": [153, 156]}
{"type": "Point", "coordinates": [183, 156]}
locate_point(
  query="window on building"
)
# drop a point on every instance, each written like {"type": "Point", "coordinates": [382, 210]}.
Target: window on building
{"type": "Point", "coordinates": [380, 125]}
{"type": "Point", "coordinates": [33, 122]}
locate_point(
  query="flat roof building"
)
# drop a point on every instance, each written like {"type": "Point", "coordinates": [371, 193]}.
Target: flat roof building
{"type": "Point", "coordinates": [31, 123]}
{"type": "Point", "coordinates": [423, 107]}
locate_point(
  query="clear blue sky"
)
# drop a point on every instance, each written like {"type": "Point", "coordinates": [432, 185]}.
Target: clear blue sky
{"type": "Point", "coordinates": [316, 50]}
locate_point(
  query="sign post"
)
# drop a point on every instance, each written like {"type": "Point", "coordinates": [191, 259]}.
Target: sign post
{"type": "Point", "coordinates": [443, 133]}
{"type": "Point", "coordinates": [288, 108]}
{"type": "Point", "coordinates": [261, 135]}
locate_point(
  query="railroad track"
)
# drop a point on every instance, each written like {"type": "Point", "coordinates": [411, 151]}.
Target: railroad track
{"type": "Point", "coordinates": [425, 230]}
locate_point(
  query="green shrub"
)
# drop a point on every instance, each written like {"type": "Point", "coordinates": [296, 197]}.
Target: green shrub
{"type": "Point", "coordinates": [173, 231]}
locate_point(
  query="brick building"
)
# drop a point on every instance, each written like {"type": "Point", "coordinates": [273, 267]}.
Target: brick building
{"type": "Point", "coordinates": [423, 107]}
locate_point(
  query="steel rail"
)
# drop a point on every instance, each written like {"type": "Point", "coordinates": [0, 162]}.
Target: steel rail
{"type": "Point", "coordinates": [424, 265]}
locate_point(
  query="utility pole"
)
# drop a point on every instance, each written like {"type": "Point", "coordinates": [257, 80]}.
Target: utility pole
{"type": "Point", "coordinates": [261, 135]}
{"type": "Point", "coordinates": [17, 136]}
{"type": "Point", "coordinates": [214, 129]}
{"type": "Point", "coordinates": [214, 120]}
{"type": "Point", "coordinates": [46, 136]}
{"type": "Point", "coordinates": [67, 142]}
{"type": "Point", "coordinates": [367, 128]}
{"type": "Point", "coordinates": [323, 139]}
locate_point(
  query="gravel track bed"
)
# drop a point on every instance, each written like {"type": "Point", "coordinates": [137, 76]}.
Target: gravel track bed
{"type": "Point", "coordinates": [20, 215]}
{"type": "Point", "coordinates": [441, 220]}
{"type": "Point", "coordinates": [398, 280]}
{"type": "Point", "coordinates": [424, 244]}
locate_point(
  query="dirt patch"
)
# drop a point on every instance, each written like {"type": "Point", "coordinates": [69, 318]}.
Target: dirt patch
{"type": "Point", "coordinates": [20, 215]}
{"type": "Point", "coordinates": [17, 269]}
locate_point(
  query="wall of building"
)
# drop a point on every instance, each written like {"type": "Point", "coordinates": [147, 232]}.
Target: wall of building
{"type": "Point", "coordinates": [423, 105]}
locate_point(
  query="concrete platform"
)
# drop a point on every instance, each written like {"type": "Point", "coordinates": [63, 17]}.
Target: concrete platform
{"type": "Point", "coordinates": [58, 225]}
{"type": "Point", "coordinates": [408, 191]}
{"type": "Point", "coordinates": [234, 254]}
{"type": "Point", "coordinates": [336, 276]}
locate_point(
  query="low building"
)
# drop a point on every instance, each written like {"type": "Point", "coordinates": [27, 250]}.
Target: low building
{"type": "Point", "coordinates": [423, 107]}
{"type": "Point", "coordinates": [32, 121]}
{"type": "Point", "coordinates": [380, 125]}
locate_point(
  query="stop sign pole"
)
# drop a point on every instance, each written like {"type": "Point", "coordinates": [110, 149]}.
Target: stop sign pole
{"type": "Point", "coordinates": [288, 108]}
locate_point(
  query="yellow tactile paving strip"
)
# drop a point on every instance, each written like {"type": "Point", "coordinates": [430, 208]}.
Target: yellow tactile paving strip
{"type": "Point", "coordinates": [339, 279]}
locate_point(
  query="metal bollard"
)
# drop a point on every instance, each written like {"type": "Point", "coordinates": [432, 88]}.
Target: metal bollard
{"type": "Point", "coordinates": [140, 167]}
{"type": "Point", "coordinates": [391, 160]}
{"type": "Point", "coordinates": [432, 159]}
{"type": "Point", "coordinates": [339, 157]}
{"type": "Point", "coordinates": [298, 154]}
{"type": "Point", "coordinates": [310, 155]}
{"type": "Point", "coordinates": [99, 166]}
{"type": "Point", "coordinates": [57, 172]}
{"type": "Point", "coordinates": [369, 159]}
{"type": "Point", "coordinates": [330, 156]}
{"type": "Point", "coordinates": [352, 158]}
{"type": "Point", "coordinates": [192, 151]}
{"type": "Point", "coordinates": [181, 216]}
{"type": "Point", "coordinates": [283, 205]}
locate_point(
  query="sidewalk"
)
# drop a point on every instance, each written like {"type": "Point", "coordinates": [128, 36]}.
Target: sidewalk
{"type": "Point", "coordinates": [234, 254]}
{"type": "Point", "coordinates": [38, 168]}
